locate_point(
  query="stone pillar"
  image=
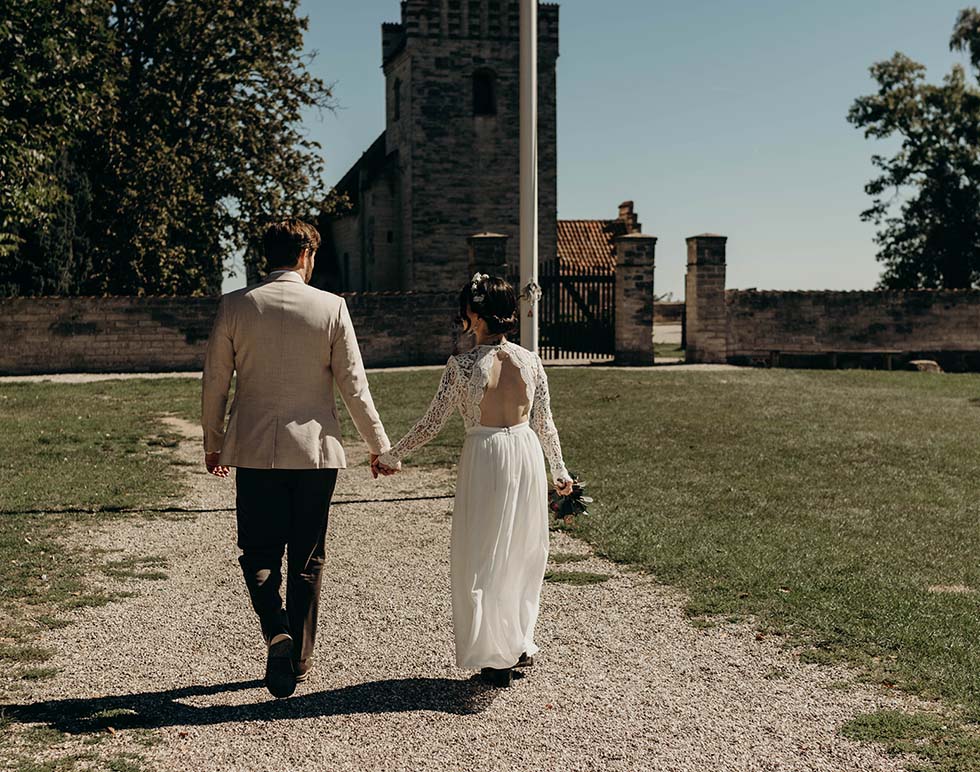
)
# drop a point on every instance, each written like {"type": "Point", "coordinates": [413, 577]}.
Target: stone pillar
{"type": "Point", "coordinates": [488, 254]}
{"type": "Point", "coordinates": [704, 300]}
{"type": "Point", "coordinates": [634, 299]}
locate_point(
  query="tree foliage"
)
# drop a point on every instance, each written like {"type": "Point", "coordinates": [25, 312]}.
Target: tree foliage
{"type": "Point", "coordinates": [190, 141]}
{"type": "Point", "coordinates": [926, 199]}
{"type": "Point", "coordinates": [52, 86]}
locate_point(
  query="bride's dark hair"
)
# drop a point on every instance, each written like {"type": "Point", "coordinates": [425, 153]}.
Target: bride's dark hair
{"type": "Point", "coordinates": [493, 300]}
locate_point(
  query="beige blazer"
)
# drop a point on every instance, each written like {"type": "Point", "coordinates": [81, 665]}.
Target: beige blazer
{"type": "Point", "coordinates": [288, 342]}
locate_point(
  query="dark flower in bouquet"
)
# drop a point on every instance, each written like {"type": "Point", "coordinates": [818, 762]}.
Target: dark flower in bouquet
{"type": "Point", "coordinates": [568, 507]}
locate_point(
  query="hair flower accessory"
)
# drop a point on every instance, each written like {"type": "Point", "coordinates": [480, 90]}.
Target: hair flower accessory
{"type": "Point", "coordinates": [474, 285]}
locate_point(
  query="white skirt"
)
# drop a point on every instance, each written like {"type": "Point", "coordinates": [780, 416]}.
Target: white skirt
{"type": "Point", "coordinates": [499, 546]}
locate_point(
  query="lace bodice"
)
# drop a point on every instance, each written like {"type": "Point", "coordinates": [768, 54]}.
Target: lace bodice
{"type": "Point", "coordinates": [463, 385]}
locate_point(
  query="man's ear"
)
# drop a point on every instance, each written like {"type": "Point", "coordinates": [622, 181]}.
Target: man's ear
{"type": "Point", "coordinates": [310, 262]}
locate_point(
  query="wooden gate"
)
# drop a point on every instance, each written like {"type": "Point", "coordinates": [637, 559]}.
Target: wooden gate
{"type": "Point", "coordinates": [577, 312]}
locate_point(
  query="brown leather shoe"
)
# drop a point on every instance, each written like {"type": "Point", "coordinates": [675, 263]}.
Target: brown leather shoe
{"type": "Point", "coordinates": [280, 679]}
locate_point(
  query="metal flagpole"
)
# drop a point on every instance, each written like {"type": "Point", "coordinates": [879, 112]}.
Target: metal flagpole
{"type": "Point", "coordinates": [529, 290]}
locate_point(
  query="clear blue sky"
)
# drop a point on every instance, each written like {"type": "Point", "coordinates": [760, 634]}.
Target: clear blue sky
{"type": "Point", "coordinates": [712, 115]}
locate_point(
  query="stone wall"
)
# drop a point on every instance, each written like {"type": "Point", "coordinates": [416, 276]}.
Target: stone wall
{"type": "Point", "coordinates": [861, 328]}
{"type": "Point", "coordinates": [346, 237]}
{"type": "Point", "coordinates": [404, 328]}
{"type": "Point", "coordinates": [823, 329]}
{"type": "Point", "coordinates": [124, 334]}
{"type": "Point", "coordinates": [668, 313]}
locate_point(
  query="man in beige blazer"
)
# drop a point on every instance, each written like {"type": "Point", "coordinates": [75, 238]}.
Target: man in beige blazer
{"type": "Point", "coordinates": [287, 342]}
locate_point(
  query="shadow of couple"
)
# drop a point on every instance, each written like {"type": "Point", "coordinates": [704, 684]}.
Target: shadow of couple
{"type": "Point", "coordinates": [152, 710]}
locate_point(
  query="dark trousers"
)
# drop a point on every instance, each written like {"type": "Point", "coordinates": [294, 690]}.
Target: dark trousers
{"type": "Point", "coordinates": [284, 510]}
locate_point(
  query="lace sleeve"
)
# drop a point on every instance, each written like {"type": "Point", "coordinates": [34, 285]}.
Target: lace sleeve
{"type": "Point", "coordinates": [429, 425]}
{"type": "Point", "coordinates": [544, 425]}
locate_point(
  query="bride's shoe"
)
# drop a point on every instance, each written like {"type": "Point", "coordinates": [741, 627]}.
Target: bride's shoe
{"type": "Point", "coordinates": [500, 678]}
{"type": "Point", "coordinates": [525, 661]}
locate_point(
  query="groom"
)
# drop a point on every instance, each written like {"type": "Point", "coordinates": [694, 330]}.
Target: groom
{"type": "Point", "coordinates": [288, 343]}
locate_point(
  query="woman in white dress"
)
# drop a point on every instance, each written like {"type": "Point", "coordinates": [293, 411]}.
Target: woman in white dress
{"type": "Point", "coordinates": [499, 543]}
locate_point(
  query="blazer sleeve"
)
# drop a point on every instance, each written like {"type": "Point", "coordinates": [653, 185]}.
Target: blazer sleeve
{"type": "Point", "coordinates": [348, 371]}
{"type": "Point", "coordinates": [219, 365]}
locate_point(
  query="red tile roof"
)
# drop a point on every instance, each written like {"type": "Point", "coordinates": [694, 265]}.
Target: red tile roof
{"type": "Point", "coordinates": [589, 243]}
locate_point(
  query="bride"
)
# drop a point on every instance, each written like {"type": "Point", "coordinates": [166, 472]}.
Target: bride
{"type": "Point", "coordinates": [499, 543]}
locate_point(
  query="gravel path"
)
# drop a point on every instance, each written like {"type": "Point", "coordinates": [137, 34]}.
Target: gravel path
{"type": "Point", "coordinates": [623, 682]}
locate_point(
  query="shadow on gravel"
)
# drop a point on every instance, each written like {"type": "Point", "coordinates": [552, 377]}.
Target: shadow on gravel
{"type": "Point", "coordinates": [152, 710]}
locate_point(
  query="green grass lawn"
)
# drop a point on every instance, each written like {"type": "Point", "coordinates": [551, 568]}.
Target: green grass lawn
{"type": "Point", "coordinates": [94, 445]}
{"type": "Point", "coordinates": [837, 508]}
{"type": "Point", "coordinates": [668, 351]}
{"type": "Point", "coordinates": [66, 450]}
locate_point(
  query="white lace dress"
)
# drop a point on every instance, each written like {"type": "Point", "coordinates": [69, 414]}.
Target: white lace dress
{"type": "Point", "coordinates": [499, 543]}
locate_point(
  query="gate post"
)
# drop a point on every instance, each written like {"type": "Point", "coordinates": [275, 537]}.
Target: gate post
{"type": "Point", "coordinates": [635, 258]}
{"type": "Point", "coordinates": [704, 300]}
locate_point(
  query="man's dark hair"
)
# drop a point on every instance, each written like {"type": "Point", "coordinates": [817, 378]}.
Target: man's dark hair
{"type": "Point", "coordinates": [493, 300]}
{"type": "Point", "coordinates": [284, 242]}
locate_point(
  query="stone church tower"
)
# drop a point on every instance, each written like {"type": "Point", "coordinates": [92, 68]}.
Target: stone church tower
{"type": "Point", "coordinates": [447, 164]}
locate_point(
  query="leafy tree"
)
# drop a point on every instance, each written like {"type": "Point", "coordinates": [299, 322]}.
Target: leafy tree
{"type": "Point", "coordinates": [55, 256]}
{"type": "Point", "coordinates": [933, 240]}
{"type": "Point", "coordinates": [52, 87]}
{"type": "Point", "coordinates": [195, 145]}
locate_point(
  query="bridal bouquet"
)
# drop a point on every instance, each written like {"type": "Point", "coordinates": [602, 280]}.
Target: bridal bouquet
{"type": "Point", "coordinates": [566, 508]}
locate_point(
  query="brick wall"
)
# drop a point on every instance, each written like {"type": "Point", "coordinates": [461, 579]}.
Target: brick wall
{"type": "Point", "coordinates": [823, 329]}
{"type": "Point", "coordinates": [942, 325]}
{"type": "Point", "coordinates": [668, 313]}
{"type": "Point", "coordinates": [123, 334]}
{"type": "Point", "coordinates": [404, 328]}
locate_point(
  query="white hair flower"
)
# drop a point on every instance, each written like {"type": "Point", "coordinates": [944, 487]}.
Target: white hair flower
{"type": "Point", "coordinates": [474, 285]}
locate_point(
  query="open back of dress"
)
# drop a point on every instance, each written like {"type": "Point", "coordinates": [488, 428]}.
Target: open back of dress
{"type": "Point", "coordinates": [505, 401]}
{"type": "Point", "coordinates": [498, 386]}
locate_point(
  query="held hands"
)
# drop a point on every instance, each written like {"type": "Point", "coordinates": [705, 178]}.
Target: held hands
{"type": "Point", "coordinates": [377, 468]}
{"type": "Point", "coordinates": [211, 462]}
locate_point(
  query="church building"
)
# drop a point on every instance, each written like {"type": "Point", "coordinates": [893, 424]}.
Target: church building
{"type": "Point", "coordinates": [447, 165]}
